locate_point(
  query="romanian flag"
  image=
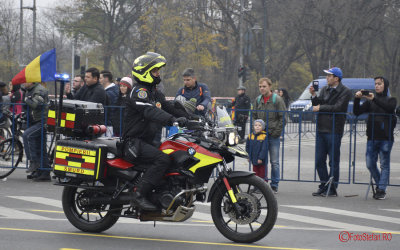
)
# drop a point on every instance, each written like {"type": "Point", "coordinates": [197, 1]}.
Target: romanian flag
{"type": "Point", "coordinates": [41, 69]}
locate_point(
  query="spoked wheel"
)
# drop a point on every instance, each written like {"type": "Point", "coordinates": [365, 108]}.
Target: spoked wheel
{"type": "Point", "coordinates": [4, 134]}
{"type": "Point", "coordinates": [11, 153]}
{"type": "Point", "coordinates": [257, 205]}
{"type": "Point", "coordinates": [88, 218]}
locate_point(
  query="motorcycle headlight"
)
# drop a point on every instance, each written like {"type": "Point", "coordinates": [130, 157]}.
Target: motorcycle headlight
{"type": "Point", "coordinates": [233, 139]}
{"type": "Point", "coordinates": [110, 155]}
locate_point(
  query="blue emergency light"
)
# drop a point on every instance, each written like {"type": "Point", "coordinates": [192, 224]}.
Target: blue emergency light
{"type": "Point", "coordinates": [62, 77]}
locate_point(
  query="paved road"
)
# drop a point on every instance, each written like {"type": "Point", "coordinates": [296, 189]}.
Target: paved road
{"type": "Point", "coordinates": [31, 217]}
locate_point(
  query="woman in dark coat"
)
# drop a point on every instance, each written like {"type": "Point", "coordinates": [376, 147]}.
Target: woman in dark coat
{"type": "Point", "coordinates": [285, 95]}
{"type": "Point", "coordinates": [125, 87]}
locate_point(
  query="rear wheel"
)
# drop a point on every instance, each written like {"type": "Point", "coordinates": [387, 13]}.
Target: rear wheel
{"type": "Point", "coordinates": [4, 134]}
{"type": "Point", "coordinates": [11, 153]}
{"type": "Point", "coordinates": [257, 205]}
{"type": "Point", "coordinates": [88, 218]}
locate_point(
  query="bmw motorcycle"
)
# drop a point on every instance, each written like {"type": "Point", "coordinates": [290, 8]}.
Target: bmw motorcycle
{"type": "Point", "coordinates": [243, 207]}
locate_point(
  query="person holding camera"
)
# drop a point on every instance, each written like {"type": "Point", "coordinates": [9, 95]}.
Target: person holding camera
{"type": "Point", "coordinates": [380, 125]}
{"type": "Point", "coordinates": [332, 104]}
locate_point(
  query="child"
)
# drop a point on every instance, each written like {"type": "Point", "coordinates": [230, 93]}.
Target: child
{"type": "Point", "coordinates": [256, 147]}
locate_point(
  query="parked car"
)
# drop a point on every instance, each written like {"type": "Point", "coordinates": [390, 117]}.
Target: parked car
{"type": "Point", "coordinates": [302, 107]}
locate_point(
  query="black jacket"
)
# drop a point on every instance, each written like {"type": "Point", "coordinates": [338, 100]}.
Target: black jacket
{"type": "Point", "coordinates": [145, 113]}
{"type": "Point", "coordinates": [93, 93]}
{"type": "Point", "coordinates": [379, 127]}
{"type": "Point", "coordinates": [334, 102]}
{"type": "Point", "coordinates": [242, 102]}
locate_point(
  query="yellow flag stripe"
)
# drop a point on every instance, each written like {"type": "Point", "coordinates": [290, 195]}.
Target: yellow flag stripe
{"type": "Point", "coordinates": [32, 71]}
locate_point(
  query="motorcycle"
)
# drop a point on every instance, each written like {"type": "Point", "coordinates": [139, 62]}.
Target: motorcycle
{"type": "Point", "coordinates": [243, 207]}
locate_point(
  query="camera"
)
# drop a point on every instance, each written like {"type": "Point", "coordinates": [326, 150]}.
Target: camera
{"type": "Point", "coordinates": [315, 85]}
{"type": "Point", "coordinates": [365, 92]}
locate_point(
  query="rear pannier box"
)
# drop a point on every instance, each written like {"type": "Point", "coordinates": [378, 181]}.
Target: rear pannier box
{"type": "Point", "coordinates": [75, 117]}
{"type": "Point", "coordinates": [82, 160]}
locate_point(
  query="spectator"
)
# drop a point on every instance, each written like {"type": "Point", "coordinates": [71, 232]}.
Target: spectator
{"type": "Point", "coordinates": [256, 147]}
{"type": "Point", "coordinates": [2, 86]}
{"type": "Point", "coordinates": [16, 98]}
{"type": "Point", "coordinates": [125, 87]}
{"type": "Point", "coordinates": [332, 103]}
{"type": "Point", "coordinates": [111, 89]}
{"type": "Point", "coordinates": [380, 125]}
{"type": "Point", "coordinates": [285, 95]}
{"type": "Point", "coordinates": [112, 92]}
{"type": "Point", "coordinates": [242, 106]}
{"type": "Point", "coordinates": [34, 136]}
{"type": "Point", "coordinates": [267, 107]}
{"type": "Point", "coordinates": [92, 91]}
{"type": "Point", "coordinates": [77, 84]}
{"type": "Point", "coordinates": [117, 81]}
{"type": "Point", "coordinates": [194, 89]}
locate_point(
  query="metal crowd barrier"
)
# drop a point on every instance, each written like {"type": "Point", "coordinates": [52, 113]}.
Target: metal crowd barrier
{"type": "Point", "coordinates": [297, 146]}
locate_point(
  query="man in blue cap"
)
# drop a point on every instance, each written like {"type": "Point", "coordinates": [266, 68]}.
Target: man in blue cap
{"type": "Point", "coordinates": [332, 103]}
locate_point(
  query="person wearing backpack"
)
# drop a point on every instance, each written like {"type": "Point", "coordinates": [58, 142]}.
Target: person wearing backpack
{"type": "Point", "coordinates": [380, 125]}
{"type": "Point", "coordinates": [270, 108]}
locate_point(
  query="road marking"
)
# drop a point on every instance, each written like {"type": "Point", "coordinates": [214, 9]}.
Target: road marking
{"type": "Point", "coordinates": [348, 213]}
{"type": "Point", "coordinates": [391, 210]}
{"type": "Point", "coordinates": [9, 213]}
{"type": "Point", "coordinates": [47, 211]}
{"type": "Point", "coordinates": [327, 223]}
{"type": "Point", "coordinates": [40, 200]}
{"type": "Point", "coordinates": [149, 239]}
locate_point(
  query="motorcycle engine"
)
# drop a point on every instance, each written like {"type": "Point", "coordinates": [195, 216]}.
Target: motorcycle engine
{"type": "Point", "coordinates": [166, 197]}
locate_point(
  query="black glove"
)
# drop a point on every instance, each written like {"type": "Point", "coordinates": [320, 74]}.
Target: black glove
{"type": "Point", "coordinates": [181, 121]}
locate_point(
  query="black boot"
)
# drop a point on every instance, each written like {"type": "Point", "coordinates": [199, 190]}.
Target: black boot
{"type": "Point", "coordinates": [42, 176]}
{"type": "Point", "coordinates": [139, 197]}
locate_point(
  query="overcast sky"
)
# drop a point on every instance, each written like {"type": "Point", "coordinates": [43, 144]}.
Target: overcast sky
{"type": "Point", "coordinates": [40, 4]}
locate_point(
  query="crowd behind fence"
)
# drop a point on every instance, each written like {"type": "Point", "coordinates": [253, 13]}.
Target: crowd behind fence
{"type": "Point", "coordinates": [298, 136]}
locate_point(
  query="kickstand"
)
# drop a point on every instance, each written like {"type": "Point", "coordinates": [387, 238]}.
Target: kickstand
{"type": "Point", "coordinates": [154, 224]}
{"type": "Point", "coordinates": [371, 184]}
{"type": "Point", "coordinates": [329, 184]}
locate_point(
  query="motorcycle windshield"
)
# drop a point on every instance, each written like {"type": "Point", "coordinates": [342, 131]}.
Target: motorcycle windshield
{"type": "Point", "coordinates": [223, 118]}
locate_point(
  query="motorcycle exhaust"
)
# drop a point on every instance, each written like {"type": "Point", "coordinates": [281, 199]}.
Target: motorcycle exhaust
{"type": "Point", "coordinates": [202, 189]}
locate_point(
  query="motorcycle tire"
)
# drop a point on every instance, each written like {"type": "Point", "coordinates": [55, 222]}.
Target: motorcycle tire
{"type": "Point", "coordinates": [253, 196]}
{"type": "Point", "coordinates": [78, 217]}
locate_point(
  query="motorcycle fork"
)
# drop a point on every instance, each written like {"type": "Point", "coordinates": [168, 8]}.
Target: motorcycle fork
{"type": "Point", "coordinates": [236, 206]}
{"type": "Point", "coordinates": [230, 191]}
{"type": "Point", "coordinates": [232, 196]}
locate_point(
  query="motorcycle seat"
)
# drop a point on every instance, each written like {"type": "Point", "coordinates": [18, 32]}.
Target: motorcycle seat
{"type": "Point", "coordinates": [113, 144]}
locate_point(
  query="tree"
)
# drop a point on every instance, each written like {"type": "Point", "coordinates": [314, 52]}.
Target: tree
{"type": "Point", "coordinates": [108, 23]}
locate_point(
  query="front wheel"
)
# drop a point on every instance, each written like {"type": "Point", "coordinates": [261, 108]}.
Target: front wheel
{"type": "Point", "coordinates": [11, 153]}
{"type": "Point", "coordinates": [88, 218]}
{"type": "Point", "coordinates": [257, 205]}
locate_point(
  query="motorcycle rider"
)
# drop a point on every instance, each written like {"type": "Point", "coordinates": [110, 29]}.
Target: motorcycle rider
{"type": "Point", "coordinates": [145, 111]}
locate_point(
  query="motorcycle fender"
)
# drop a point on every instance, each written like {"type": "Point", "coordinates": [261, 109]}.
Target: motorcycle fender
{"type": "Point", "coordinates": [232, 175]}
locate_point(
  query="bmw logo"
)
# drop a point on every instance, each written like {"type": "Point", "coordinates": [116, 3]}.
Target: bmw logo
{"type": "Point", "coordinates": [191, 151]}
